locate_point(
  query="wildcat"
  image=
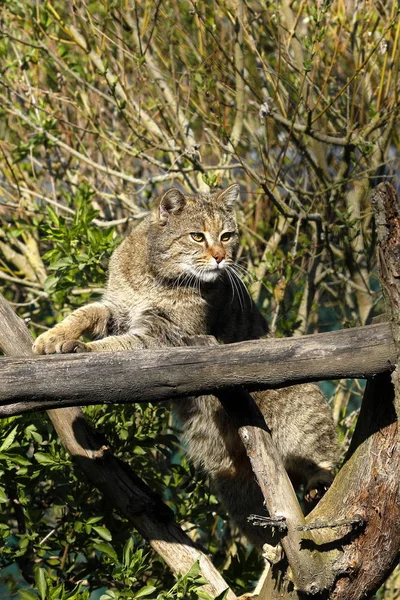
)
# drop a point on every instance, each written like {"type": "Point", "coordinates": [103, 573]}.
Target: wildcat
{"type": "Point", "coordinates": [172, 279]}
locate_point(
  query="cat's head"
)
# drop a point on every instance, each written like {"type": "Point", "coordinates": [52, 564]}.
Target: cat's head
{"type": "Point", "coordinates": [193, 237]}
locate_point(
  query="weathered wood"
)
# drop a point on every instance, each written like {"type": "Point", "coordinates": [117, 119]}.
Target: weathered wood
{"type": "Point", "coordinates": [368, 485]}
{"type": "Point", "coordinates": [116, 480]}
{"type": "Point", "coordinates": [308, 574]}
{"type": "Point", "coordinates": [154, 375]}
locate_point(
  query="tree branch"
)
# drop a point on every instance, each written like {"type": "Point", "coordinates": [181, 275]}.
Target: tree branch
{"type": "Point", "coordinates": [280, 499]}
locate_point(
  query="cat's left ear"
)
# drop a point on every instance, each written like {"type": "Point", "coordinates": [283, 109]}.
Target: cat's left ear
{"type": "Point", "coordinates": [229, 196]}
{"type": "Point", "coordinates": [171, 203]}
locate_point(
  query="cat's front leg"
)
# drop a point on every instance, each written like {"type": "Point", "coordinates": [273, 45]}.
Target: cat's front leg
{"type": "Point", "coordinates": [119, 343]}
{"type": "Point", "coordinates": [200, 340]}
{"type": "Point", "coordinates": [91, 319]}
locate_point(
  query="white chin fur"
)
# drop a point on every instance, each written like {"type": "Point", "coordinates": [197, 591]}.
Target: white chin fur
{"type": "Point", "coordinates": [210, 275]}
{"type": "Point", "coordinates": [207, 275]}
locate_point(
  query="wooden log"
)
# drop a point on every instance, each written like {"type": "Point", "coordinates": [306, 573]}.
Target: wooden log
{"type": "Point", "coordinates": [153, 375]}
{"type": "Point", "coordinates": [116, 480]}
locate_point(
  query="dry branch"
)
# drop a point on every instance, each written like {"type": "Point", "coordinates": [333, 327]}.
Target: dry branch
{"type": "Point", "coordinates": [126, 491]}
{"type": "Point", "coordinates": [149, 375]}
{"type": "Point", "coordinates": [280, 498]}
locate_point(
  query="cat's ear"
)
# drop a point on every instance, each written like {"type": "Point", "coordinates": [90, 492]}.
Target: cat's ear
{"type": "Point", "coordinates": [171, 203]}
{"type": "Point", "coordinates": [230, 195]}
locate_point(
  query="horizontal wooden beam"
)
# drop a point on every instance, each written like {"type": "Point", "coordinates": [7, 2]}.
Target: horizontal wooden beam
{"type": "Point", "coordinates": [56, 381]}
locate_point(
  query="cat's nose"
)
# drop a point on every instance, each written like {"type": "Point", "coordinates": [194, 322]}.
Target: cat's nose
{"type": "Point", "coordinates": [219, 256]}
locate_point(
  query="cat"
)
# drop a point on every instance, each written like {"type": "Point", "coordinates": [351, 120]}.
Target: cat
{"type": "Point", "coordinates": [174, 280]}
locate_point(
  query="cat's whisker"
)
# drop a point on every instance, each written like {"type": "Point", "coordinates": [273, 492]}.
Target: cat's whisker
{"type": "Point", "coordinates": [240, 271]}
{"type": "Point", "coordinates": [244, 272]}
{"type": "Point", "coordinates": [242, 287]}
{"type": "Point", "coordinates": [236, 288]}
{"type": "Point", "coordinates": [192, 282]}
{"type": "Point", "coordinates": [240, 290]}
{"type": "Point", "coordinates": [231, 286]}
{"type": "Point", "coordinates": [201, 271]}
{"type": "Point", "coordinates": [199, 285]}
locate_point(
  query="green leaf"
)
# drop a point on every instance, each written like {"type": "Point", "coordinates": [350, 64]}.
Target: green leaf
{"type": "Point", "coordinates": [66, 261]}
{"type": "Point", "coordinates": [9, 440]}
{"type": "Point", "coordinates": [44, 459]}
{"type": "Point", "coordinates": [40, 581]}
{"type": "Point", "coordinates": [107, 549]}
{"type": "Point", "coordinates": [104, 533]}
{"type": "Point", "coordinates": [145, 591]}
{"type": "Point", "coordinates": [26, 595]}
{"type": "Point", "coordinates": [50, 284]}
{"type": "Point", "coordinates": [15, 458]}
{"type": "Point", "coordinates": [57, 592]}
{"type": "Point", "coordinates": [37, 437]}
{"type": "Point", "coordinates": [109, 595]}
{"type": "Point", "coordinates": [194, 571]}
{"type": "Point", "coordinates": [53, 215]}
{"type": "Point", "coordinates": [93, 520]}
{"type": "Point", "coordinates": [128, 549]}
{"type": "Point", "coordinates": [3, 496]}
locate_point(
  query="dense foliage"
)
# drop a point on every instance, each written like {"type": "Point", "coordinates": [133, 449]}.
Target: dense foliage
{"type": "Point", "coordinates": [104, 104]}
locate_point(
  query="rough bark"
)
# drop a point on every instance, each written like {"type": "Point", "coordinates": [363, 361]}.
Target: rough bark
{"type": "Point", "coordinates": [71, 380]}
{"type": "Point", "coordinates": [368, 486]}
{"type": "Point", "coordinates": [126, 491]}
{"type": "Point", "coordinates": [365, 495]}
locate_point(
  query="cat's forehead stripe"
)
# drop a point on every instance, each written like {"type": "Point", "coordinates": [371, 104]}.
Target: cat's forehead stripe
{"type": "Point", "coordinates": [206, 202]}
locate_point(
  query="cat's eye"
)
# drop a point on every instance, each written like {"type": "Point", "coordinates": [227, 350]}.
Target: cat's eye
{"type": "Point", "coordinates": [197, 236]}
{"type": "Point", "coordinates": [225, 237]}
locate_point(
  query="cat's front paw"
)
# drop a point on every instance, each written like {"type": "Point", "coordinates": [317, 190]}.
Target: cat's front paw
{"type": "Point", "coordinates": [74, 347]}
{"type": "Point", "coordinates": [48, 342]}
{"type": "Point", "coordinates": [52, 342]}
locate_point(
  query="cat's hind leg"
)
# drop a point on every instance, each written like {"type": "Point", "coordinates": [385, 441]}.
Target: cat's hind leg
{"type": "Point", "coordinates": [317, 485]}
